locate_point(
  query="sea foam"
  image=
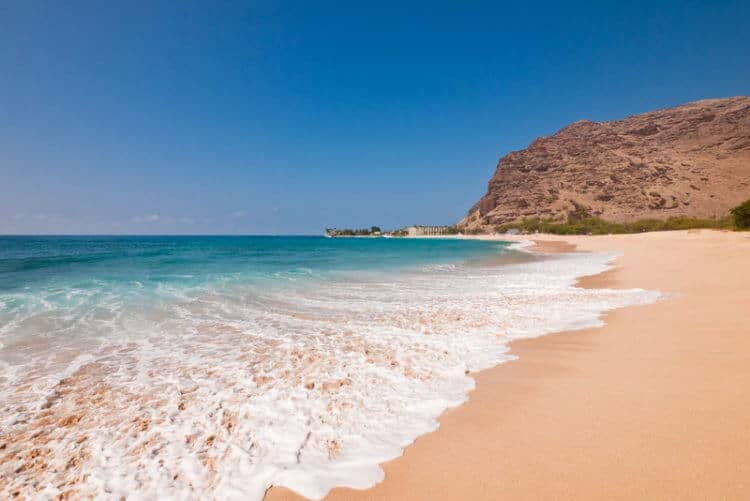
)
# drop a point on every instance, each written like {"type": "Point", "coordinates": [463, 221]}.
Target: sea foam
{"type": "Point", "coordinates": [228, 391]}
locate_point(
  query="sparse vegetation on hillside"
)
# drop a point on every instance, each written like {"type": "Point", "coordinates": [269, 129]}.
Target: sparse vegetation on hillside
{"type": "Point", "coordinates": [741, 215]}
{"type": "Point", "coordinates": [581, 222]}
{"type": "Point", "coordinates": [598, 226]}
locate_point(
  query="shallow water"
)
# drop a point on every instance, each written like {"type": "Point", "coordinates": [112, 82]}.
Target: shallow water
{"type": "Point", "coordinates": [192, 367]}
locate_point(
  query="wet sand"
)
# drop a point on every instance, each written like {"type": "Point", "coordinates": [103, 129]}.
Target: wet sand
{"type": "Point", "coordinates": [655, 405]}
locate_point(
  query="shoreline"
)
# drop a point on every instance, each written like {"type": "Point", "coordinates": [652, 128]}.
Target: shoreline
{"type": "Point", "coordinates": [617, 411]}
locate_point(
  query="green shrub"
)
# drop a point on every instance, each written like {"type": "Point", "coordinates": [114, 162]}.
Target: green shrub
{"type": "Point", "coordinates": [741, 215]}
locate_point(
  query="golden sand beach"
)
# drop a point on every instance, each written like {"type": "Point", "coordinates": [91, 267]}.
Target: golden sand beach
{"type": "Point", "coordinates": [654, 405]}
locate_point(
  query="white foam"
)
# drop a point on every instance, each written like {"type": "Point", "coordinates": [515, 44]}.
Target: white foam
{"type": "Point", "coordinates": [521, 245]}
{"type": "Point", "coordinates": [226, 393]}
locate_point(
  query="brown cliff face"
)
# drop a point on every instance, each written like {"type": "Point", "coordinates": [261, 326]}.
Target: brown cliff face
{"type": "Point", "coordinates": [692, 160]}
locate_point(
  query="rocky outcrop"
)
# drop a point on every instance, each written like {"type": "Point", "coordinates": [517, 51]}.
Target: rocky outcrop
{"type": "Point", "coordinates": [692, 160]}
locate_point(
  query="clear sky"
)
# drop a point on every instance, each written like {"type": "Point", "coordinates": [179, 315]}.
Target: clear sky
{"type": "Point", "coordinates": [287, 117]}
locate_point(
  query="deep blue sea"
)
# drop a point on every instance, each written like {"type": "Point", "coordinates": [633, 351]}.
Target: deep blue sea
{"type": "Point", "coordinates": [215, 367]}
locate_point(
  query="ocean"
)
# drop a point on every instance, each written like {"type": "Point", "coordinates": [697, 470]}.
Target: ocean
{"type": "Point", "coordinates": [193, 367]}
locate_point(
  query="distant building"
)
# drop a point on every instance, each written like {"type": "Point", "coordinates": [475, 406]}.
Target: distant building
{"type": "Point", "coordinates": [428, 231]}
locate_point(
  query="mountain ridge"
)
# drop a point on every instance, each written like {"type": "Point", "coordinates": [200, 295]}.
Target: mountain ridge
{"type": "Point", "coordinates": [691, 160]}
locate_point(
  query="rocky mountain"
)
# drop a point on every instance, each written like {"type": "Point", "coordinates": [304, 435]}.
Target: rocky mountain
{"type": "Point", "coordinates": [692, 160]}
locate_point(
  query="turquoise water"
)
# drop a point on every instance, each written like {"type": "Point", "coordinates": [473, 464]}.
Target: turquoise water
{"type": "Point", "coordinates": [39, 263]}
{"type": "Point", "coordinates": [64, 289]}
{"type": "Point", "coordinates": [74, 275]}
{"type": "Point", "coordinates": [215, 367]}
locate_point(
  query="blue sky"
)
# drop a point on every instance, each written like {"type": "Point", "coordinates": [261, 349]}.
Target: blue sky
{"type": "Point", "coordinates": [286, 117]}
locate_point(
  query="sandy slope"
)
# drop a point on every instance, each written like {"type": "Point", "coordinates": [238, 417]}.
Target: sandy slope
{"type": "Point", "coordinates": [656, 405]}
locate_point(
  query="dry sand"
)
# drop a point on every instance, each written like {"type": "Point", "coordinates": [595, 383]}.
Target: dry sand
{"type": "Point", "coordinates": [655, 405]}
